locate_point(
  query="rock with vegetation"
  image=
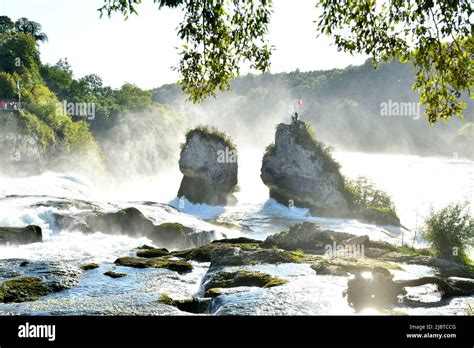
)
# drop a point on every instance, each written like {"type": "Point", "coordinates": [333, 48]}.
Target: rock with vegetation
{"type": "Point", "coordinates": [89, 266]}
{"type": "Point", "coordinates": [237, 252]}
{"type": "Point", "coordinates": [311, 238]}
{"type": "Point", "coordinates": [23, 290]}
{"type": "Point", "coordinates": [232, 255]}
{"type": "Point", "coordinates": [300, 170]}
{"type": "Point", "coordinates": [115, 275]}
{"type": "Point", "coordinates": [180, 266]}
{"type": "Point", "coordinates": [344, 267]}
{"type": "Point", "coordinates": [209, 164]}
{"type": "Point", "coordinates": [151, 252]}
{"type": "Point", "coordinates": [21, 235]}
{"type": "Point", "coordinates": [306, 236]}
{"type": "Point", "coordinates": [56, 275]}
{"type": "Point", "coordinates": [213, 292]}
{"type": "Point", "coordinates": [370, 204]}
{"type": "Point", "coordinates": [192, 305]}
{"type": "Point", "coordinates": [242, 278]}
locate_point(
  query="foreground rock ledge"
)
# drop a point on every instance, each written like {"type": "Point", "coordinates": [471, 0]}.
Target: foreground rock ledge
{"type": "Point", "coordinates": [23, 290]}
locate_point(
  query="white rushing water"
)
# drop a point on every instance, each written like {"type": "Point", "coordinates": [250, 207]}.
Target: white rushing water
{"type": "Point", "coordinates": [415, 183]}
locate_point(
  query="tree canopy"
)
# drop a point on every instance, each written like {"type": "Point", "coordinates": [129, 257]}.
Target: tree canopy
{"type": "Point", "coordinates": [218, 35]}
{"type": "Point", "coordinates": [435, 35]}
{"type": "Point", "coordinates": [22, 25]}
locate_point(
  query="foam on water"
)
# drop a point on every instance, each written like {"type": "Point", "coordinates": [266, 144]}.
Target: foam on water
{"type": "Point", "coordinates": [203, 211]}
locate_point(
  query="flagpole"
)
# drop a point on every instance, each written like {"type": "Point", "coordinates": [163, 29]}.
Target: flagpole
{"type": "Point", "coordinates": [19, 93]}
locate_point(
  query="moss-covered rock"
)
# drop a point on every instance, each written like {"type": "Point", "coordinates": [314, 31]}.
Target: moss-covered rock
{"type": "Point", "coordinates": [165, 299]}
{"type": "Point", "coordinates": [343, 267]}
{"type": "Point", "coordinates": [242, 278]}
{"type": "Point", "coordinates": [214, 292]}
{"type": "Point", "coordinates": [180, 266]}
{"type": "Point", "coordinates": [114, 275]}
{"type": "Point", "coordinates": [237, 252]}
{"type": "Point", "coordinates": [239, 256]}
{"type": "Point", "coordinates": [308, 237]}
{"type": "Point", "coordinates": [89, 266]}
{"type": "Point", "coordinates": [152, 252]}
{"type": "Point", "coordinates": [23, 290]}
{"type": "Point", "coordinates": [200, 254]}
{"type": "Point", "coordinates": [191, 305]}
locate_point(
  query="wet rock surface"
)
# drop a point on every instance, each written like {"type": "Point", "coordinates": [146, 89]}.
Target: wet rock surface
{"type": "Point", "coordinates": [238, 278]}
{"type": "Point", "coordinates": [21, 235]}
{"type": "Point", "coordinates": [134, 223]}
{"type": "Point", "coordinates": [180, 266]}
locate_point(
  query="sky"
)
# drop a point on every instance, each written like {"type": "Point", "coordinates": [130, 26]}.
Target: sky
{"type": "Point", "coordinates": [142, 49]}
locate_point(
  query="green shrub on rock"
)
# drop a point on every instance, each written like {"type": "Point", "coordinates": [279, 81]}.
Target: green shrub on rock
{"type": "Point", "coordinates": [370, 203]}
{"type": "Point", "coordinates": [451, 231]}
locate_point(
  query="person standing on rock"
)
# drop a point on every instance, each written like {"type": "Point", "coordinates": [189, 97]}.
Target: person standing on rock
{"type": "Point", "coordinates": [294, 118]}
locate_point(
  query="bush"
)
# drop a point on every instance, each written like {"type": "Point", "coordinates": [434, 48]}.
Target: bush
{"type": "Point", "coordinates": [363, 194]}
{"type": "Point", "coordinates": [450, 231]}
{"type": "Point", "coordinates": [270, 150]}
{"type": "Point", "coordinates": [7, 86]}
{"type": "Point", "coordinates": [212, 134]}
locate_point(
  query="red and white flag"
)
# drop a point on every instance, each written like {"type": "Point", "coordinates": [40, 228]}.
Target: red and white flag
{"type": "Point", "coordinates": [300, 103]}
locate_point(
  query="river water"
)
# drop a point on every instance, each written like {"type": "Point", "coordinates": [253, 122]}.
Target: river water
{"type": "Point", "coordinates": [415, 183]}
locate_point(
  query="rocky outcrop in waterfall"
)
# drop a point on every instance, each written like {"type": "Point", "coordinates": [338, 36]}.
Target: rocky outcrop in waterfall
{"type": "Point", "coordinates": [209, 164]}
{"type": "Point", "coordinates": [299, 170]}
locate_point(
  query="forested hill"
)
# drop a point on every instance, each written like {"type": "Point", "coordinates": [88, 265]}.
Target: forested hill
{"type": "Point", "coordinates": [76, 124]}
{"type": "Point", "coordinates": [353, 108]}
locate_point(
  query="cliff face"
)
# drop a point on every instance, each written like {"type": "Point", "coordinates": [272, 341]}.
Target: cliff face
{"type": "Point", "coordinates": [209, 164]}
{"type": "Point", "coordinates": [20, 151]}
{"type": "Point", "coordinates": [298, 169]}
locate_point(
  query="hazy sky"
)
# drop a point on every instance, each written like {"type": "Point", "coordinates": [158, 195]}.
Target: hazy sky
{"type": "Point", "coordinates": [142, 50]}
